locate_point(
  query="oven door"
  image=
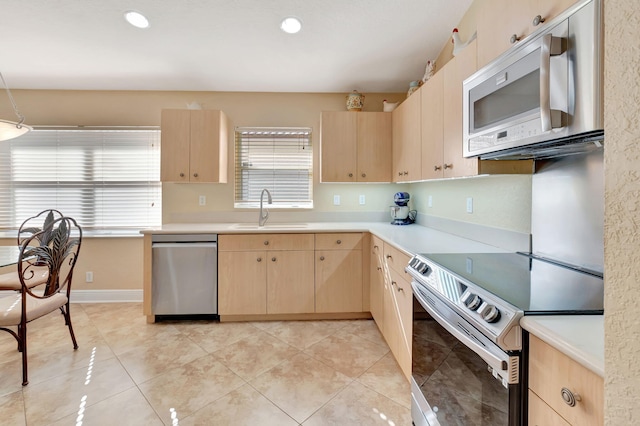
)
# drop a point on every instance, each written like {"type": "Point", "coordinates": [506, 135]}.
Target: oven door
{"type": "Point", "coordinates": [459, 377]}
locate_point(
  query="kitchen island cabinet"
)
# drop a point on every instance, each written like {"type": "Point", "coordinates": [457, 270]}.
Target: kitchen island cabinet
{"type": "Point", "coordinates": [265, 274]}
{"type": "Point", "coordinates": [194, 146]}
{"type": "Point", "coordinates": [339, 273]}
{"type": "Point", "coordinates": [355, 146]}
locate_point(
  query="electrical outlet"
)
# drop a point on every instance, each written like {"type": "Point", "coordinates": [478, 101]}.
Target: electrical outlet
{"type": "Point", "coordinates": [361, 200]}
{"type": "Point", "coordinates": [202, 200]}
{"type": "Point", "coordinates": [430, 201]}
{"type": "Point", "coordinates": [336, 200]}
{"type": "Point", "coordinates": [89, 277]}
{"type": "Point", "coordinates": [469, 205]}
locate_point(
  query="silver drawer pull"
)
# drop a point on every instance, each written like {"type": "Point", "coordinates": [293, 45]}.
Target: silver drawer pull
{"type": "Point", "coordinates": [259, 259]}
{"type": "Point", "coordinates": [339, 242]}
{"type": "Point", "coordinates": [321, 257]}
{"type": "Point", "coordinates": [266, 243]}
{"type": "Point", "coordinates": [273, 259]}
{"type": "Point", "coordinates": [569, 397]}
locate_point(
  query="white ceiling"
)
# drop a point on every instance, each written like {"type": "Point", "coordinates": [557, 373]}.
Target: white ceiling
{"type": "Point", "coordinates": [223, 45]}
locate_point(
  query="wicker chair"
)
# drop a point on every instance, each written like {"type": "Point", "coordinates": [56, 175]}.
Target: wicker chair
{"type": "Point", "coordinates": [55, 247]}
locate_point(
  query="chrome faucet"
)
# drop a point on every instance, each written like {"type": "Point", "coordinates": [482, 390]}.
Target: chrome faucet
{"type": "Point", "coordinates": [264, 213]}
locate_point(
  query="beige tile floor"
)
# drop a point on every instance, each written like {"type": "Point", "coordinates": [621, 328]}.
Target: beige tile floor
{"type": "Point", "coordinates": [128, 372]}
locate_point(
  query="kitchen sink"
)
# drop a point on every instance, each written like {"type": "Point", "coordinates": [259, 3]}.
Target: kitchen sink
{"type": "Point", "coordinates": [281, 226]}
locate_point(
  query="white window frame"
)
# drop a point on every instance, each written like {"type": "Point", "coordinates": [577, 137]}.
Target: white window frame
{"type": "Point", "coordinates": [279, 159]}
{"type": "Point", "coordinates": [108, 179]}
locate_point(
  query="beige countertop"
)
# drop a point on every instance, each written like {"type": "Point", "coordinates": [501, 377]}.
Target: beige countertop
{"type": "Point", "coordinates": [580, 337]}
{"type": "Point", "coordinates": [409, 238]}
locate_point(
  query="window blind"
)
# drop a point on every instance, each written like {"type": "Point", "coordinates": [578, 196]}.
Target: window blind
{"type": "Point", "coordinates": [278, 159]}
{"type": "Point", "coordinates": [105, 179]}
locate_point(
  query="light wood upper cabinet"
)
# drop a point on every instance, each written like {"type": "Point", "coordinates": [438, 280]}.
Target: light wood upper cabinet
{"type": "Point", "coordinates": [338, 273]}
{"type": "Point", "coordinates": [194, 146]}
{"type": "Point", "coordinates": [406, 124]}
{"type": "Point", "coordinates": [355, 146]}
{"type": "Point", "coordinates": [499, 22]}
{"type": "Point", "coordinates": [552, 373]}
{"type": "Point", "coordinates": [432, 133]}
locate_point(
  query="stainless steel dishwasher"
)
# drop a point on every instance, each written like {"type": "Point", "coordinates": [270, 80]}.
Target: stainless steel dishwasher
{"type": "Point", "coordinates": [185, 274]}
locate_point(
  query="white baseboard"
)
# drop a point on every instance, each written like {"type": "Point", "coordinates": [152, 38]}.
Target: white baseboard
{"type": "Point", "coordinates": [105, 296]}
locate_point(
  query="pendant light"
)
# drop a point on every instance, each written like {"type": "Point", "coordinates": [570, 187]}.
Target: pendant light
{"type": "Point", "coordinates": [11, 129]}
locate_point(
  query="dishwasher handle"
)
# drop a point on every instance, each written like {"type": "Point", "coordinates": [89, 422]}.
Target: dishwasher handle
{"type": "Point", "coordinates": [184, 245]}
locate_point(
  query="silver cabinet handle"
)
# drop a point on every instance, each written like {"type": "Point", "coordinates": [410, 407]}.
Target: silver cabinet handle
{"type": "Point", "coordinates": [339, 242]}
{"type": "Point", "coordinates": [259, 259]}
{"type": "Point", "coordinates": [389, 256]}
{"type": "Point", "coordinates": [514, 39]}
{"type": "Point", "coordinates": [195, 175]}
{"type": "Point", "coordinates": [569, 397]}
{"type": "Point", "coordinates": [273, 259]}
{"type": "Point", "coordinates": [364, 175]}
{"type": "Point", "coordinates": [538, 20]}
{"type": "Point", "coordinates": [350, 174]}
{"type": "Point", "coordinates": [266, 243]}
{"type": "Point", "coordinates": [448, 166]}
{"type": "Point", "coordinates": [405, 173]}
{"type": "Point", "coordinates": [181, 174]}
{"type": "Point", "coordinates": [321, 257]}
{"type": "Point", "coordinates": [436, 168]}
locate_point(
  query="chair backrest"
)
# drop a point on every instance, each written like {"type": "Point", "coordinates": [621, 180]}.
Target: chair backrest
{"type": "Point", "coordinates": [35, 224]}
{"type": "Point", "coordinates": [56, 246]}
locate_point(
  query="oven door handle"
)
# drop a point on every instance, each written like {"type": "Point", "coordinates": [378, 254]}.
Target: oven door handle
{"type": "Point", "coordinates": [496, 362]}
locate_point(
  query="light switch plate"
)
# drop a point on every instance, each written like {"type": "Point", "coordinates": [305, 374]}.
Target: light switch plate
{"type": "Point", "coordinates": [336, 200]}
{"type": "Point", "coordinates": [469, 205]}
{"type": "Point", "coordinates": [361, 200]}
{"type": "Point", "coordinates": [430, 201]}
{"type": "Point", "coordinates": [202, 200]}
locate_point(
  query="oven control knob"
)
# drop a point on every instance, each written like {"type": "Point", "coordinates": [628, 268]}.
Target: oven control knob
{"type": "Point", "coordinates": [472, 301]}
{"type": "Point", "coordinates": [490, 314]}
{"type": "Point", "coordinates": [423, 268]}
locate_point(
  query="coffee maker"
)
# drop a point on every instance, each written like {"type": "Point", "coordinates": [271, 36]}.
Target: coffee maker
{"type": "Point", "coordinates": [400, 213]}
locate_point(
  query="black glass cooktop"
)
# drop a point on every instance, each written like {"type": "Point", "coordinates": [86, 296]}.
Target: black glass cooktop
{"type": "Point", "coordinates": [532, 285]}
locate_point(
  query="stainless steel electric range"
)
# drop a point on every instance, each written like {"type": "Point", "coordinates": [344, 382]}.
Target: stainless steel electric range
{"type": "Point", "coordinates": [467, 341]}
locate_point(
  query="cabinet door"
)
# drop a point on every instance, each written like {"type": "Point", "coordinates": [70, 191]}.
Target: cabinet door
{"type": "Point", "coordinates": [374, 147]}
{"type": "Point", "coordinates": [242, 287]}
{"type": "Point", "coordinates": [175, 139]}
{"type": "Point", "coordinates": [290, 286]}
{"type": "Point", "coordinates": [540, 414]}
{"type": "Point", "coordinates": [377, 282]}
{"type": "Point", "coordinates": [338, 280]}
{"type": "Point", "coordinates": [455, 71]}
{"type": "Point", "coordinates": [338, 150]}
{"type": "Point", "coordinates": [406, 144]}
{"type": "Point", "coordinates": [432, 127]}
{"type": "Point", "coordinates": [550, 371]}
{"type": "Point", "coordinates": [208, 148]}
{"type": "Point", "coordinates": [493, 28]}
{"type": "Point", "coordinates": [403, 301]}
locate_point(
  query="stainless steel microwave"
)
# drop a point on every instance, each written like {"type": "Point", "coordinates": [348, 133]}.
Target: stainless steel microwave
{"type": "Point", "coordinates": [543, 97]}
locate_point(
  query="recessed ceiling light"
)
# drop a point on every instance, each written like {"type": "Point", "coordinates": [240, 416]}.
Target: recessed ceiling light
{"type": "Point", "coordinates": [136, 19]}
{"type": "Point", "coordinates": [291, 25]}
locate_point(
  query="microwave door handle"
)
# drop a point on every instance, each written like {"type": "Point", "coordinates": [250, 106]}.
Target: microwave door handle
{"type": "Point", "coordinates": [551, 46]}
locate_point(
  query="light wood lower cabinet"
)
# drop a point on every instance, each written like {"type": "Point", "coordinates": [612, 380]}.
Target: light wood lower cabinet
{"type": "Point", "coordinates": [338, 272]}
{"type": "Point", "coordinates": [552, 373]}
{"type": "Point", "coordinates": [376, 289]}
{"type": "Point", "coordinates": [392, 295]}
{"type": "Point", "coordinates": [278, 280]}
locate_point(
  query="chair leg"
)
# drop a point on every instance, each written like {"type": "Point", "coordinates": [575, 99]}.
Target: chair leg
{"type": "Point", "coordinates": [23, 344]}
{"type": "Point", "coordinates": [67, 321]}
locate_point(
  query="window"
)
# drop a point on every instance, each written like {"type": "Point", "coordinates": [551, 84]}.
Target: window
{"type": "Point", "coordinates": [105, 179]}
{"type": "Point", "coordinates": [278, 159]}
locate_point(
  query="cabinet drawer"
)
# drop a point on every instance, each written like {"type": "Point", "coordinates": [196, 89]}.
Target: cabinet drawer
{"type": "Point", "coordinates": [396, 260]}
{"type": "Point", "coordinates": [350, 241]}
{"type": "Point", "coordinates": [540, 414]}
{"type": "Point", "coordinates": [550, 371]}
{"type": "Point", "coordinates": [265, 242]}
